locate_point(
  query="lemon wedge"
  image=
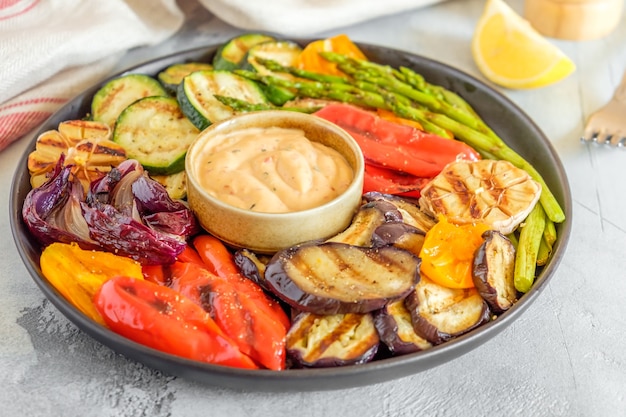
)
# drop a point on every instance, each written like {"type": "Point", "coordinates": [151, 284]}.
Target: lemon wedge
{"type": "Point", "coordinates": [511, 53]}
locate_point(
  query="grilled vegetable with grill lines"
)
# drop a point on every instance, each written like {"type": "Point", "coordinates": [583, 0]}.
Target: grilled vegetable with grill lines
{"type": "Point", "coordinates": [86, 146]}
{"type": "Point", "coordinates": [331, 277]}
{"type": "Point", "coordinates": [369, 217]}
{"type": "Point", "coordinates": [171, 76]}
{"type": "Point", "coordinates": [401, 235]}
{"type": "Point", "coordinates": [196, 95]}
{"type": "Point", "coordinates": [439, 313]}
{"type": "Point", "coordinates": [332, 340]}
{"type": "Point", "coordinates": [493, 271]}
{"type": "Point", "coordinates": [114, 96]}
{"type": "Point", "coordinates": [154, 131]}
{"type": "Point", "coordinates": [492, 192]}
{"type": "Point", "coordinates": [395, 327]}
{"type": "Point", "coordinates": [232, 54]}
{"type": "Point", "coordinates": [410, 211]}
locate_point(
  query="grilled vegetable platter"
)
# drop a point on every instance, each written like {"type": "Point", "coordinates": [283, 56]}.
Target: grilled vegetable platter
{"type": "Point", "coordinates": [465, 216]}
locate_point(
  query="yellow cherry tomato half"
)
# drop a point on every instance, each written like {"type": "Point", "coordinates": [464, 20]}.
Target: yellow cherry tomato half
{"type": "Point", "coordinates": [448, 252]}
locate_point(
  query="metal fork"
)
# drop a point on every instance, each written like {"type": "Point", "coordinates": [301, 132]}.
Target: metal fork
{"type": "Point", "coordinates": [608, 125]}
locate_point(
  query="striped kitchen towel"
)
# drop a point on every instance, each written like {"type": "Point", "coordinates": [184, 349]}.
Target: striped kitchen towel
{"type": "Point", "coordinates": [52, 50]}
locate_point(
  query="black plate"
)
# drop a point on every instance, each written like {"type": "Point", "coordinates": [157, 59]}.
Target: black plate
{"type": "Point", "coordinates": [502, 115]}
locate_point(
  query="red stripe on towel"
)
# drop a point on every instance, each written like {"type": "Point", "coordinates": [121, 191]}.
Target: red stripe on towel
{"type": "Point", "coordinates": [14, 126]}
{"type": "Point", "coordinates": [5, 5]}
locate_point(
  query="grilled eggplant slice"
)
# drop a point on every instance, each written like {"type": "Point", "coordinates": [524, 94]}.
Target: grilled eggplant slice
{"type": "Point", "coordinates": [331, 277]}
{"type": "Point", "coordinates": [252, 266]}
{"type": "Point", "coordinates": [395, 327]}
{"type": "Point", "coordinates": [401, 235]}
{"type": "Point", "coordinates": [408, 209]}
{"type": "Point", "coordinates": [492, 271]}
{"type": "Point", "coordinates": [367, 219]}
{"type": "Point", "coordinates": [320, 341]}
{"type": "Point", "coordinates": [440, 314]}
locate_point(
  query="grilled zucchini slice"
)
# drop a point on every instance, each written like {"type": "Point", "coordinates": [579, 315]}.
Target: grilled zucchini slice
{"type": "Point", "coordinates": [171, 76]}
{"type": "Point", "coordinates": [285, 53]}
{"type": "Point", "coordinates": [114, 96]}
{"type": "Point", "coordinates": [175, 184]}
{"type": "Point", "coordinates": [232, 54]}
{"type": "Point", "coordinates": [155, 132]}
{"type": "Point", "coordinates": [197, 90]}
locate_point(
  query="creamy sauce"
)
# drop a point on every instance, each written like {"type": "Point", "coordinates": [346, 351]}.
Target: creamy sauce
{"type": "Point", "coordinates": [272, 170]}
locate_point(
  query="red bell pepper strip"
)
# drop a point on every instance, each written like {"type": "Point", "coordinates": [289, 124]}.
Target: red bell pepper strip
{"type": "Point", "coordinates": [220, 261]}
{"type": "Point", "coordinates": [159, 274]}
{"type": "Point", "coordinates": [154, 274]}
{"type": "Point", "coordinates": [189, 254]}
{"type": "Point", "coordinates": [256, 334]}
{"type": "Point", "coordinates": [395, 146]}
{"type": "Point", "coordinates": [215, 255]}
{"type": "Point", "coordinates": [388, 181]}
{"type": "Point", "coordinates": [163, 319]}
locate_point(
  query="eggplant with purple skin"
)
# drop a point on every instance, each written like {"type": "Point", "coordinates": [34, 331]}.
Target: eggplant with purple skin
{"type": "Point", "coordinates": [331, 277]}
{"type": "Point", "coordinates": [370, 216]}
{"type": "Point", "coordinates": [493, 271]}
{"type": "Point", "coordinates": [360, 232]}
{"type": "Point", "coordinates": [400, 235]}
{"type": "Point", "coordinates": [320, 341]}
{"type": "Point", "coordinates": [252, 266]}
{"type": "Point", "coordinates": [439, 313]}
{"type": "Point", "coordinates": [395, 327]}
{"type": "Point", "coordinates": [410, 211]}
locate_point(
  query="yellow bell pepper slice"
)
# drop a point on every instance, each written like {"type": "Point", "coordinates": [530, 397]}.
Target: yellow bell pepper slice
{"type": "Point", "coordinates": [77, 273]}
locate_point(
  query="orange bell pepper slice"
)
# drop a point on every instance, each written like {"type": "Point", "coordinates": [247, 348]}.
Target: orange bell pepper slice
{"type": "Point", "coordinates": [310, 59]}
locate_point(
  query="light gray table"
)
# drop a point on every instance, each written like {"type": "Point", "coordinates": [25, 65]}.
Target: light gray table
{"type": "Point", "coordinates": [564, 357]}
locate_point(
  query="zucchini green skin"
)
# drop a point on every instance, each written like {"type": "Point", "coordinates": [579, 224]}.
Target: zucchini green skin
{"type": "Point", "coordinates": [155, 132]}
{"type": "Point", "coordinates": [285, 53]}
{"type": "Point", "coordinates": [232, 54]}
{"type": "Point", "coordinates": [113, 97]}
{"type": "Point", "coordinates": [171, 76]}
{"type": "Point", "coordinates": [196, 95]}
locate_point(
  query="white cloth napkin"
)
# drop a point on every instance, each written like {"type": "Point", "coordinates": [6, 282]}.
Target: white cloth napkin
{"type": "Point", "coordinates": [305, 17]}
{"type": "Point", "coordinates": [50, 50]}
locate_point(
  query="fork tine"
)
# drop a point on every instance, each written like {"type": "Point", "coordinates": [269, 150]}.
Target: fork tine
{"type": "Point", "coordinates": [588, 135]}
{"type": "Point", "coordinates": [618, 139]}
{"type": "Point", "coordinates": [603, 138]}
{"type": "Point", "coordinates": [607, 126]}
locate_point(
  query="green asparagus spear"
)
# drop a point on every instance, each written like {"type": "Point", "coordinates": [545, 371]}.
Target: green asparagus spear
{"type": "Point", "coordinates": [543, 253]}
{"type": "Point", "coordinates": [530, 237]}
{"type": "Point", "coordinates": [244, 106]}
